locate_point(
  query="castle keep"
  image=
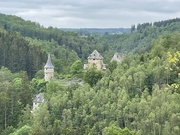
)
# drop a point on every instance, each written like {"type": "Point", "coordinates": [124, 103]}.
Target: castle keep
{"type": "Point", "coordinates": [95, 60]}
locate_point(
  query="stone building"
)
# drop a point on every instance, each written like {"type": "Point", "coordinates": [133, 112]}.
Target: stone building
{"type": "Point", "coordinates": [48, 69]}
{"type": "Point", "coordinates": [95, 60]}
{"type": "Point", "coordinates": [117, 57]}
{"type": "Point", "coordinates": [38, 100]}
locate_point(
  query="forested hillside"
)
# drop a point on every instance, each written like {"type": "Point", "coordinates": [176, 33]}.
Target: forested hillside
{"type": "Point", "coordinates": [65, 47]}
{"type": "Point", "coordinates": [50, 39]}
{"type": "Point", "coordinates": [97, 31]}
{"type": "Point", "coordinates": [17, 54]}
{"type": "Point", "coordinates": [139, 41]}
{"type": "Point", "coordinates": [138, 96]}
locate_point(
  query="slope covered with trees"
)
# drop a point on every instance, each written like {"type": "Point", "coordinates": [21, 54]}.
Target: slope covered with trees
{"type": "Point", "coordinates": [141, 36]}
{"type": "Point", "coordinates": [34, 30]}
{"type": "Point", "coordinates": [18, 55]}
{"type": "Point", "coordinates": [53, 40]}
{"type": "Point", "coordinates": [137, 96]}
{"type": "Point", "coordinates": [34, 42]}
{"type": "Point", "coordinates": [140, 96]}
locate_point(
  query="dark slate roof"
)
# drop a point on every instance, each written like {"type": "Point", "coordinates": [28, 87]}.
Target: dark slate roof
{"type": "Point", "coordinates": [95, 55]}
{"type": "Point", "coordinates": [49, 63]}
{"type": "Point", "coordinates": [39, 98]}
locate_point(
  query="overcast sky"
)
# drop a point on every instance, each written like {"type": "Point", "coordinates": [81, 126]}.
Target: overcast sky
{"type": "Point", "coordinates": [92, 13]}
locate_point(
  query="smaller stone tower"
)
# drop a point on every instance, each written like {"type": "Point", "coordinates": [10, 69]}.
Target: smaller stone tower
{"type": "Point", "coordinates": [117, 57]}
{"type": "Point", "coordinates": [48, 70]}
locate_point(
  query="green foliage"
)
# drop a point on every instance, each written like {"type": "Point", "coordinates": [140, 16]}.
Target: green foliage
{"type": "Point", "coordinates": [77, 68]}
{"type": "Point", "coordinates": [25, 130]}
{"type": "Point", "coordinates": [26, 117]}
{"type": "Point", "coordinates": [137, 97]}
{"type": "Point", "coordinates": [92, 76]}
{"type": "Point", "coordinates": [39, 74]}
{"type": "Point", "coordinates": [113, 130]}
{"type": "Point", "coordinates": [14, 95]}
{"type": "Point", "coordinates": [41, 121]}
{"type": "Point", "coordinates": [112, 65]}
{"type": "Point", "coordinates": [139, 41]}
{"type": "Point", "coordinates": [30, 59]}
{"type": "Point", "coordinates": [38, 85]}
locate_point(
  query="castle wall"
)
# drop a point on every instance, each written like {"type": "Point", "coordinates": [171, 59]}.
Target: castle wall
{"type": "Point", "coordinates": [95, 63]}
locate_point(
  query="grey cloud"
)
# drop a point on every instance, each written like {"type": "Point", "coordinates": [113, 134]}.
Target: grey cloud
{"type": "Point", "coordinates": [92, 13]}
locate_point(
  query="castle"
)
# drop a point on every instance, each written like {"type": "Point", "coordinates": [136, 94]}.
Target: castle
{"type": "Point", "coordinates": [48, 69]}
{"type": "Point", "coordinates": [95, 60]}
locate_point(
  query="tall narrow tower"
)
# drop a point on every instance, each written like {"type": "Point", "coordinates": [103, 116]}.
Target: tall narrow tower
{"type": "Point", "coordinates": [48, 69]}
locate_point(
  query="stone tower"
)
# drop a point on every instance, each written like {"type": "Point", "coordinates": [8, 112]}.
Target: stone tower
{"type": "Point", "coordinates": [48, 70]}
{"type": "Point", "coordinates": [95, 60]}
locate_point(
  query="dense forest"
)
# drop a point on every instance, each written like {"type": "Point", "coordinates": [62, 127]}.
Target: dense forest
{"type": "Point", "coordinates": [97, 31]}
{"type": "Point", "coordinates": [137, 96]}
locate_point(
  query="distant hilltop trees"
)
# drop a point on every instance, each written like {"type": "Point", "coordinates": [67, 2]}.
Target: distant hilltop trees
{"type": "Point", "coordinates": [157, 24]}
{"type": "Point", "coordinates": [97, 31]}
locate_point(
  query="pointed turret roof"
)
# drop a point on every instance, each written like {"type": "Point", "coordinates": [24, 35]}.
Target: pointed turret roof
{"type": "Point", "coordinates": [49, 63]}
{"type": "Point", "coordinates": [95, 55]}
